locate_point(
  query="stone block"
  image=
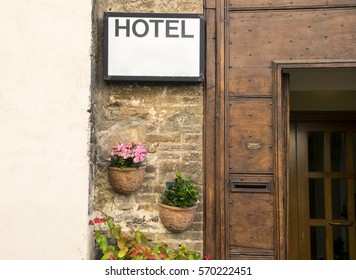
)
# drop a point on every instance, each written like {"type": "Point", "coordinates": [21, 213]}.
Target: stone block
{"type": "Point", "coordinates": [150, 207]}
{"type": "Point", "coordinates": [163, 137]}
{"type": "Point", "coordinates": [192, 157]}
{"type": "Point", "coordinates": [193, 138]}
{"type": "Point", "coordinates": [151, 169]}
{"type": "Point", "coordinates": [169, 155]}
{"type": "Point", "coordinates": [146, 198]}
{"type": "Point", "coordinates": [177, 147]}
{"type": "Point", "coordinates": [197, 226]}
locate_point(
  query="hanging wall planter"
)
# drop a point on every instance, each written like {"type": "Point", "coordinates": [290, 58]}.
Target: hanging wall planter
{"type": "Point", "coordinates": [126, 180]}
{"type": "Point", "coordinates": [126, 171]}
{"type": "Point", "coordinates": [178, 204]}
{"type": "Point", "coordinates": [176, 219]}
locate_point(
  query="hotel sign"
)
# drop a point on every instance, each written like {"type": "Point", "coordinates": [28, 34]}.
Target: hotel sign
{"type": "Point", "coordinates": [153, 47]}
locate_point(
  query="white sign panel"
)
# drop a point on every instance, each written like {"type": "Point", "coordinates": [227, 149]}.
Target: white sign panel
{"type": "Point", "coordinates": [151, 47]}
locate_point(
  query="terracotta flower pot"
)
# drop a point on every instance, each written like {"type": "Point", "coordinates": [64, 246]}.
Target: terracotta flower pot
{"type": "Point", "coordinates": [176, 219]}
{"type": "Point", "coordinates": [126, 180]}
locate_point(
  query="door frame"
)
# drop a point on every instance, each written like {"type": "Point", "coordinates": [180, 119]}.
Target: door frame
{"type": "Point", "coordinates": [280, 95]}
{"type": "Point", "coordinates": [214, 130]}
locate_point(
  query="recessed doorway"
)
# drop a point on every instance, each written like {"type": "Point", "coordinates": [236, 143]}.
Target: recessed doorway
{"type": "Point", "coordinates": [321, 186]}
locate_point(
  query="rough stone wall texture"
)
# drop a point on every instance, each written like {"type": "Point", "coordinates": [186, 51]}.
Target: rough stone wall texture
{"type": "Point", "coordinates": [165, 117]}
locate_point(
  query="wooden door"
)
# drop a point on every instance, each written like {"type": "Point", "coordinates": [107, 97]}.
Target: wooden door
{"type": "Point", "coordinates": [322, 191]}
{"type": "Point", "coordinates": [246, 114]}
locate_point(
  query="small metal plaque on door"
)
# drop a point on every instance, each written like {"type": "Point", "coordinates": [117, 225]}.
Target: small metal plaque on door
{"type": "Point", "coordinates": [253, 146]}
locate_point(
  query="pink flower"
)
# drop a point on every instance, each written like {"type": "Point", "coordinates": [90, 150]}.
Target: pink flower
{"type": "Point", "coordinates": [128, 154]}
{"type": "Point", "coordinates": [98, 221]}
{"type": "Point", "coordinates": [161, 256]}
{"type": "Point", "coordinates": [207, 257]}
{"type": "Point", "coordinates": [111, 256]}
{"type": "Point", "coordinates": [134, 253]}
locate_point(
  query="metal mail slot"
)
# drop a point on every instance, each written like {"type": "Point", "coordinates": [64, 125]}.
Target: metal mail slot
{"type": "Point", "coordinates": [253, 185]}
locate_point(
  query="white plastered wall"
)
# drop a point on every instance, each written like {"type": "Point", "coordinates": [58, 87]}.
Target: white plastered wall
{"type": "Point", "coordinates": [44, 98]}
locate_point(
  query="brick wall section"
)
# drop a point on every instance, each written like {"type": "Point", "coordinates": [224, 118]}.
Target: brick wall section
{"type": "Point", "coordinates": [165, 117]}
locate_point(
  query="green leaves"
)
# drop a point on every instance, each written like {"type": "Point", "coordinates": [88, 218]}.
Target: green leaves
{"type": "Point", "coordinates": [121, 244]}
{"type": "Point", "coordinates": [132, 246]}
{"type": "Point", "coordinates": [123, 253]}
{"type": "Point", "coordinates": [180, 193]}
{"type": "Point", "coordinates": [140, 238]}
{"type": "Point", "coordinates": [122, 163]}
{"type": "Point", "coordinates": [102, 241]}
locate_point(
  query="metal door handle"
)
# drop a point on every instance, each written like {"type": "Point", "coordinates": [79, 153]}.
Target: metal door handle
{"type": "Point", "coordinates": [342, 224]}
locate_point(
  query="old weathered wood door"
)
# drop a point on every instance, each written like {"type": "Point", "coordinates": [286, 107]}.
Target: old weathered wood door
{"type": "Point", "coordinates": [322, 190]}
{"type": "Point", "coordinates": [246, 132]}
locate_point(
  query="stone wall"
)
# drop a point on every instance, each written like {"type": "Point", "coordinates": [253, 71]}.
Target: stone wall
{"type": "Point", "coordinates": [166, 117]}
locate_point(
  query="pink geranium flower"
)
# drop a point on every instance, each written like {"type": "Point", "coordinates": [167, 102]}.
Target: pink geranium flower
{"type": "Point", "coordinates": [130, 154]}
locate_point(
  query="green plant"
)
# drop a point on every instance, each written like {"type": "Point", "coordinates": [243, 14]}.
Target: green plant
{"type": "Point", "coordinates": [119, 245]}
{"type": "Point", "coordinates": [180, 193]}
{"type": "Point", "coordinates": [130, 154]}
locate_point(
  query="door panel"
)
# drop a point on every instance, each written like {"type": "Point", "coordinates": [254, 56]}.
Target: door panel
{"type": "Point", "coordinates": [250, 136]}
{"type": "Point", "coordinates": [322, 188]}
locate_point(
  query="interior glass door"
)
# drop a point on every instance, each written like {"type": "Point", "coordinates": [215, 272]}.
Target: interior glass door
{"type": "Point", "coordinates": [326, 190]}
